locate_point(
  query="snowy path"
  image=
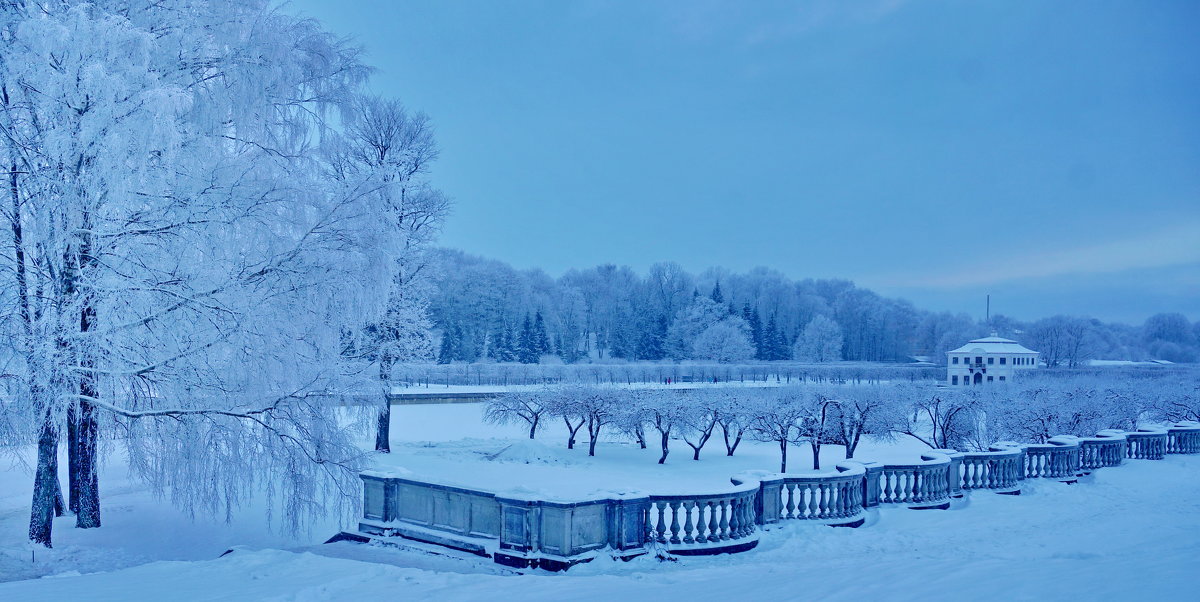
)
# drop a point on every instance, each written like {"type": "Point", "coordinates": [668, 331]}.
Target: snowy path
{"type": "Point", "coordinates": [1129, 532]}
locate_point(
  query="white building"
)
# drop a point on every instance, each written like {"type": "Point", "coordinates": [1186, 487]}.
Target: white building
{"type": "Point", "coordinates": [988, 359]}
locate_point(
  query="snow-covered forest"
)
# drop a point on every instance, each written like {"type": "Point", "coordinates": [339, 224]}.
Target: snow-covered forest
{"type": "Point", "coordinates": [486, 310]}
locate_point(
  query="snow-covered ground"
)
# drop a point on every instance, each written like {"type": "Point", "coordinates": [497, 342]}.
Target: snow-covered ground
{"type": "Point", "coordinates": [1128, 532]}
{"type": "Point", "coordinates": [459, 449]}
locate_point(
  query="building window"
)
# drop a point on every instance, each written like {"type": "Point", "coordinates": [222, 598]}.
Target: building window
{"type": "Point", "coordinates": [989, 378]}
{"type": "Point", "coordinates": [991, 360]}
{"type": "Point", "coordinates": [954, 379]}
{"type": "Point", "coordinates": [1001, 378]}
{"type": "Point", "coordinates": [954, 360]}
{"type": "Point", "coordinates": [978, 360]}
{"type": "Point", "coordinates": [1002, 360]}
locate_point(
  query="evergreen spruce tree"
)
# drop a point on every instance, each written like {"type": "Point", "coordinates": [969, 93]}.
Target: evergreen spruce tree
{"type": "Point", "coordinates": [541, 342]}
{"type": "Point", "coordinates": [716, 296]}
{"type": "Point", "coordinates": [495, 347]}
{"type": "Point", "coordinates": [450, 342]}
{"type": "Point", "coordinates": [510, 344]}
{"type": "Point", "coordinates": [652, 332]}
{"type": "Point", "coordinates": [771, 340]}
{"type": "Point", "coordinates": [756, 330]}
{"type": "Point", "coordinates": [782, 346]}
{"type": "Point", "coordinates": [527, 352]}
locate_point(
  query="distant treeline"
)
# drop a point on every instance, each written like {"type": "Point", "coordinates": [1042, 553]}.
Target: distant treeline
{"type": "Point", "coordinates": [485, 310]}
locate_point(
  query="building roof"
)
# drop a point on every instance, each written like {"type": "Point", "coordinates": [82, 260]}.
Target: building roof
{"type": "Point", "coordinates": [992, 345]}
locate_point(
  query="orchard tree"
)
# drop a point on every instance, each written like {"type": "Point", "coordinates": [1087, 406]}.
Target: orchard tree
{"type": "Point", "coordinates": [519, 406]}
{"type": "Point", "coordinates": [775, 416]}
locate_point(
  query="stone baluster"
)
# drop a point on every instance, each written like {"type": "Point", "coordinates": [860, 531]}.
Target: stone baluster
{"type": "Point", "coordinates": [661, 526]}
{"type": "Point", "coordinates": [674, 508]}
{"type": "Point", "coordinates": [689, 520]}
{"type": "Point", "coordinates": [713, 523]}
{"type": "Point", "coordinates": [791, 501]}
{"type": "Point", "coordinates": [723, 524]}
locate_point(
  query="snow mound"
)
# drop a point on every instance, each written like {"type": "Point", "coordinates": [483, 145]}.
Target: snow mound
{"type": "Point", "coordinates": [530, 451]}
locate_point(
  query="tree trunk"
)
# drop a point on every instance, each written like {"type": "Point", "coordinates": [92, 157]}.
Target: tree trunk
{"type": "Point", "coordinates": [87, 515]}
{"type": "Point", "coordinates": [383, 428]}
{"type": "Point", "coordinates": [816, 450]}
{"type": "Point", "coordinates": [571, 432]}
{"type": "Point", "coordinates": [73, 458]}
{"type": "Point", "coordinates": [729, 449]}
{"type": "Point", "coordinates": [45, 485]}
{"type": "Point", "coordinates": [87, 428]}
{"type": "Point", "coordinates": [783, 455]}
{"type": "Point", "coordinates": [593, 435]}
{"type": "Point", "coordinates": [533, 424]}
{"type": "Point", "coordinates": [853, 445]}
{"type": "Point", "coordinates": [666, 436]}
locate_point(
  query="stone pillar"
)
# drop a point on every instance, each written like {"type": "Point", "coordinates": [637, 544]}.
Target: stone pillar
{"type": "Point", "coordinates": [627, 523]}
{"type": "Point", "coordinates": [767, 504]}
{"type": "Point", "coordinates": [519, 522]}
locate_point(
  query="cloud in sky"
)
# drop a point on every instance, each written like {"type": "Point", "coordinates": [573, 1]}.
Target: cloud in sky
{"type": "Point", "coordinates": [1178, 244]}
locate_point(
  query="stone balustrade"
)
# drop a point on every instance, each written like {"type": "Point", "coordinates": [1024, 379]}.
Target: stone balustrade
{"type": "Point", "coordinates": [704, 524]}
{"type": "Point", "coordinates": [1147, 443]}
{"type": "Point", "coordinates": [832, 497]}
{"type": "Point", "coordinates": [1103, 451]}
{"type": "Point", "coordinates": [998, 470]}
{"type": "Point", "coordinates": [924, 484]}
{"type": "Point", "coordinates": [527, 532]}
{"type": "Point", "coordinates": [1183, 438]}
{"type": "Point", "coordinates": [1056, 459]}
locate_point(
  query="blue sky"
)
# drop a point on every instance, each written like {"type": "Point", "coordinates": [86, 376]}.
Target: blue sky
{"type": "Point", "coordinates": [1046, 153]}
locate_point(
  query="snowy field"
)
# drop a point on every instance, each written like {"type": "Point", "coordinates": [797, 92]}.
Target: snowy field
{"type": "Point", "coordinates": [1128, 532]}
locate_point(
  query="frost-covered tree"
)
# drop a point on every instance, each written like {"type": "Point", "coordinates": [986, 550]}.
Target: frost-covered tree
{"type": "Point", "coordinates": [939, 418]}
{"type": "Point", "coordinates": [386, 151]}
{"type": "Point", "coordinates": [726, 341]}
{"type": "Point", "coordinates": [520, 406]}
{"type": "Point", "coordinates": [733, 417]}
{"type": "Point", "coordinates": [698, 418]}
{"type": "Point", "coordinates": [690, 323]}
{"type": "Point", "coordinates": [821, 341]}
{"type": "Point", "coordinates": [662, 410]}
{"type": "Point", "coordinates": [861, 410]}
{"type": "Point", "coordinates": [180, 266]}
{"type": "Point", "coordinates": [775, 416]}
{"type": "Point", "coordinates": [564, 404]}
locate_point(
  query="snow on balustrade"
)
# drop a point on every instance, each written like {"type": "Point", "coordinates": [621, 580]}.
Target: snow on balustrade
{"type": "Point", "coordinates": [697, 524]}
{"type": "Point", "coordinates": [1104, 450]}
{"type": "Point", "coordinates": [925, 484]}
{"type": "Point", "coordinates": [999, 470]}
{"type": "Point", "coordinates": [832, 497]}
{"type": "Point", "coordinates": [523, 531]}
{"type": "Point", "coordinates": [1057, 459]}
{"type": "Point", "coordinates": [1147, 443]}
{"type": "Point", "coordinates": [1183, 438]}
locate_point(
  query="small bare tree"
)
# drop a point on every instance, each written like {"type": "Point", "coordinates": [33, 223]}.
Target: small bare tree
{"type": "Point", "coordinates": [698, 419]}
{"type": "Point", "coordinates": [776, 416]}
{"type": "Point", "coordinates": [519, 406]}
